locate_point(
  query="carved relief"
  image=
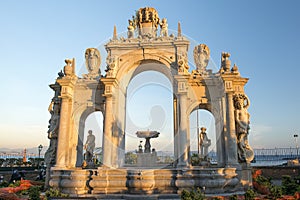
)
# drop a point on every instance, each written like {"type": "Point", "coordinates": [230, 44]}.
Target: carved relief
{"type": "Point", "coordinates": [111, 67]}
{"type": "Point", "coordinates": [242, 121]}
{"type": "Point", "coordinates": [183, 66]}
{"type": "Point", "coordinates": [147, 21]}
{"type": "Point", "coordinates": [201, 57]}
{"type": "Point", "coordinates": [92, 62]}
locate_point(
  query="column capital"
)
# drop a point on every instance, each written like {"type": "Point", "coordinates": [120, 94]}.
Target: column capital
{"type": "Point", "coordinates": [67, 87]}
{"type": "Point", "coordinates": [110, 84]}
{"type": "Point", "coordinates": [182, 84]}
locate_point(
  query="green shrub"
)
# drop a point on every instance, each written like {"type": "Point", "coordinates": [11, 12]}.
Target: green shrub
{"type": "Point", "coordinates": [289, 186]}
{"type": "Point", "coordinates": [54, 193]}
{"type": "Point", "coordinates": [261, 180]}
{"type": "Point", "coordinates": [276, 192]}
{"type": "Point", "coordinates": [4, 184]}
{"type": "Point", "coordinates": [15, 184]}
{"type": "Point", "coordinates": [192, 195]}
{"type": "Point", "coordinates": [34, 193]}
{"type": "Point", "coordinates": [249, 195]}
{"type": "Point", "coordinates": [233, 197]}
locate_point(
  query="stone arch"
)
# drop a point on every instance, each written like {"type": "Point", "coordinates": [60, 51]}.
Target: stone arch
{"type": "Point", "coordinates": [80, 116]}
{"type": "Point", "coordinates": [156, 121]}
{"type": "Point", "coordinates": [127, 64]}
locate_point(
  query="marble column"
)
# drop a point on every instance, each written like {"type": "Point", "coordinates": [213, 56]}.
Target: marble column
{"type": "Point", "coordinates": [183, 126]}
{"type": "Point", "coordinates": [176, 133]}
{"type": "Point", "coordinates": [231, 143]}
{"type": "Point", "coordinates": [63, 142]}
{"type": "Point", "coordinates": [107, 136]}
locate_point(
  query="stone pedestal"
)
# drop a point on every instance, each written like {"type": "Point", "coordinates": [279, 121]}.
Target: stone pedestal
{"type": "Point", "coordinates": [146, 159]}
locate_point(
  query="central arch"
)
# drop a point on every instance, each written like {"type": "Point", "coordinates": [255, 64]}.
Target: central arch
{"type": "Point", "coordinates": [149, 107]}
{"type": "Point", "coordinates": [161, 75]}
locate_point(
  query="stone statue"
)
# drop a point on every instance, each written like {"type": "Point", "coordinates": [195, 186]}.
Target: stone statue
{"type": "Point", "coordinates": [53, 131]}
{"type": "Point", "coordinates": [93, 61]}
{"type": "Point", "coordinates": [54, 109]}
{"type": "Point", "coordinates": [89, 146]}
{"type": "Point", "coordinates": [164, 28]}
{"type": "Point", "coordinates": [204, 143]}
{"type": "Point", "coordinates": [242, 119]}
{"type": "Point", "coordinates": [111, 66]}
{"type": "Point", "coordinates": [225, 62]}
{"type": "Point", "coordinates": [69, 68]}
{"type": "Point", "coordinates": [130, 28]}
{"type": "Point", "coordinates": [201, 57]}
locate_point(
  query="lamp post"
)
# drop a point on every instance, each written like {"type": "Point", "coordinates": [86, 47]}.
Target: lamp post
{"type": "Point", "coordinates": [296, 142]}
{"type": "Point", "coordinates": [40, 147]}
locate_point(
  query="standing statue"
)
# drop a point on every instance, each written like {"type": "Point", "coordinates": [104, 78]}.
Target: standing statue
{"type": "Point", "coordinates": [53, 131]}
{"type": "Point", "coordinates": [93, 61]}
{"type": "Point", "coordinates": [242, 120]}
{"type": "Point", "coordinates": [130, 28]}
{"type": "Point", "coordinates": [204, 143]}
{"type": "Point", "coordinates": [164, 28]}
{"type": "Point", "coordinates": [89, 147]}
{"type": "Point", "coordinates": [201, 57]}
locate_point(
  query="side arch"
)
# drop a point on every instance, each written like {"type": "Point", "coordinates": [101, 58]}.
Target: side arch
{"type": "Point", "coordinates": [80, 116]}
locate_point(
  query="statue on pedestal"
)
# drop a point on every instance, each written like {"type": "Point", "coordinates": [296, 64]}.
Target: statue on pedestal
{"type": "Point", "coordinates": [92, 62]}
{"type": "Point", "coordinates": [242, 120]}
{"type": "Point", "coordinates": [89, 147]}
{"type": "Point", "coordinates": [130, 28]}
{"type": "Point", "coordinates": [164, 28]}
{"type": "Point", "coordinates": [204, 143]}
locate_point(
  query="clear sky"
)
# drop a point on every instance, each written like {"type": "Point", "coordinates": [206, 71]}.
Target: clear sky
{"type": "Point", "coordinates": [262, 37]}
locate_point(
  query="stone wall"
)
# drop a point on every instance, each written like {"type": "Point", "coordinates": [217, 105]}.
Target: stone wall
{"type": "Point", "coordinates": [276, 172]}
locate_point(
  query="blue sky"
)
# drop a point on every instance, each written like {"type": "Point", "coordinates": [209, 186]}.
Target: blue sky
{"type": "Point", "coordinates": [262, 37]}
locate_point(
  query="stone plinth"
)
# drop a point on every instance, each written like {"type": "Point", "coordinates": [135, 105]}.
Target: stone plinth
{"type": "Point", "coordinates": [146, 159]}
{"type": "Point", "coordinates": [138, 181]}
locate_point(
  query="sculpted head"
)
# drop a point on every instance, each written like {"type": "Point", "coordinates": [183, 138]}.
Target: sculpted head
{"type": "Point", "coordinates": [241, 101]}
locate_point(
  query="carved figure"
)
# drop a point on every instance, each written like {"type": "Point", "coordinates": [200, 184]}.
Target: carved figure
{"type": "Point", "coordinates": [130, 28]}
{"type": "Point", "coordinates": [147, 22]}
{"type": "Point", "coordinates": [242, 119]}
{"type": "Point", "coordinates": [89, 146]}
{"type": "Point", "coordinates": [111, 64]}
{"type": "Point", "coordinates": [69, 68]}
{"type": "Point", "coordinates": [183, 66]}
{"type": "Point", "coordinates": [53, 131]}
{"type": "Point", "coordinates": [164, 28]}
{"type": "Point", "coordinates": [201, 57]}
{"type": "Point", "coordinates": [92, 61]}
{"type": "Point", "coordinates": [225, 62]}
{"type": "Point", "coordinates": [204, 143]}
{"type": "Point", "coordinates": [54, 109]}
